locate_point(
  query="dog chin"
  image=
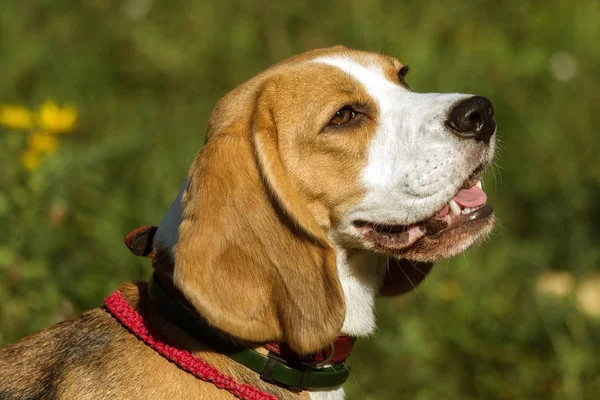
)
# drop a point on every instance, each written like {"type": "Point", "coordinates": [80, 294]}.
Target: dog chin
{"type": "Point", "coordinates": [432, 248]}
{"type": "Point", "coordinates": [409, 267]}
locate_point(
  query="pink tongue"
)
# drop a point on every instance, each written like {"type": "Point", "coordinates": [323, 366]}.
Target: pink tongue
{"type": "Point", "coordinates": [471, 197]}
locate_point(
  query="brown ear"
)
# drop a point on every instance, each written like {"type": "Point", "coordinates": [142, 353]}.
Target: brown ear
{"type": "Point", "coordinates": [250, 257]}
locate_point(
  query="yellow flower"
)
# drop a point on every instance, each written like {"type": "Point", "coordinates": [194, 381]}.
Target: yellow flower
{"type": "Point", "coordinates": [49, 120]}
{"type": "Point", "coordinates": [43, 143]}
{"type": "Point", "coordinates": [54, 119]}
{"type": "Point", "coordinates": [30, 159]}
{"type": "Point", "coordinates": [16, 117]}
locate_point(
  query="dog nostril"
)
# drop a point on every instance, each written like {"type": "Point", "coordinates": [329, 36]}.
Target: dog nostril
{"type": "Point", "coordinates": [472, 118]}
{"type": "Point", "coordinates": [475, 119]}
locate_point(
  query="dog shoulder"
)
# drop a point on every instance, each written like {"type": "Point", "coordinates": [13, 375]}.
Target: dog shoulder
{"type": "Point", "coordinates": [93, 356]}
{"type": "Point", "coordinates": [33, 367]}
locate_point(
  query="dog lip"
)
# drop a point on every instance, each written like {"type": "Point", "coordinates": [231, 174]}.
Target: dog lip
{"type": "Point", "coordinates": [381, 227]}
{"type": "Point", "coordinates": [481, 213]}
{"type": "Point", "coordinates": [398, 237]}
{"type": "Point", "coordinates": [392, 237]}
{"type": "Point", "coordinates": [430, 226]}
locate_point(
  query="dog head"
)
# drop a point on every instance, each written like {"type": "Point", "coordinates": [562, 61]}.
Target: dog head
{"type": "Point", "coordinates": [327, 150]}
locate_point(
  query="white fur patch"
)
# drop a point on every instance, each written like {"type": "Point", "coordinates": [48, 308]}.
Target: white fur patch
{"type": "Point", "coordinates": [332, 394]}
{"type": "Point", "coordinates": [360, 274]}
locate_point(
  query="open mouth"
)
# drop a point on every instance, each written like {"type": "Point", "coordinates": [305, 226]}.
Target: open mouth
{"type": "Point", "coordinates": [466, 207]}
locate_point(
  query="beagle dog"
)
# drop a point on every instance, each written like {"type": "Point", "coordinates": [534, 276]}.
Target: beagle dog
{"type": "Point", "coordinates": [324, 182]}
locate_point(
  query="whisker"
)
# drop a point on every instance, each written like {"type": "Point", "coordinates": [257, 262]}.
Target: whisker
{"type": "Point", "coordinates": [501, 167]}
{"type": "Point", "coordinates": [447, 263]}
{"type": "Point", "coordinates": [364, 396]}
{"type": "Point", "coordinates": [440, 285]}
{"type": "Point", "coordinates": [411, 282]}
{"type": "Point", "coordinates": [386, 45]}
{"type": "Point", "coordinates": [417, 268]}
{"type": "Point", "coordinates": [466, 260]}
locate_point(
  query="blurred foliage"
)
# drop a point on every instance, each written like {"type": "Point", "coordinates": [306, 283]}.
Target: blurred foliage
{"type": "Point", "coordinates": [517, 318]}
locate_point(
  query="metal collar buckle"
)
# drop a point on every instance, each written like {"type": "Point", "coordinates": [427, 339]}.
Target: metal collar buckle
{"type": "Point", "coordinates": [325, 360]}
{"type": "Point", "coordinates": [267, 374]}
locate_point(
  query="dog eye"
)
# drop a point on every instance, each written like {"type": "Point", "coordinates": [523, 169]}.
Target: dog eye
{"type": "Point", "coordinates": [402, 74]}
{"type": "Point", "coordinates": [343, 116]}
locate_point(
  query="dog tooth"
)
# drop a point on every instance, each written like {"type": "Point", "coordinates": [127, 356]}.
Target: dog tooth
{"type": "Point", "coordinates": [466, 210]}
{"type": "Point", "coordinates": [478, 184]}
{"type": "Point", "coordinates": [454, 207]}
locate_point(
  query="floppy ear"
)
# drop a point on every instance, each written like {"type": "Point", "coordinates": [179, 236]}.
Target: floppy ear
{"type": "Point", "coordinates": [250, 257]}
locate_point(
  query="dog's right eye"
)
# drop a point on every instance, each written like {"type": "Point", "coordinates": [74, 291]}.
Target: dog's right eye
{"type": "Point", "coordinates": [343, 116]}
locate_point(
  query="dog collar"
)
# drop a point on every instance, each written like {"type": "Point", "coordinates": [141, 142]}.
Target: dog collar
{"type": "Point", "coordinates": [281, 366]}
{"type": "Point", "coordinates": [132, 320]}
{"type": "Point", "coordinates": [322, 370]}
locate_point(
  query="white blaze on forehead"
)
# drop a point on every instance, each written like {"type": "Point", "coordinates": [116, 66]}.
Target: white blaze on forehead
{"type": "Point", "coordinates": [372, 77]}
{"type": "Point", "coordinates": [375, 83]}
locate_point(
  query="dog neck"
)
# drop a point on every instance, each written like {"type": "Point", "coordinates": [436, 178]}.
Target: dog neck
{"type": "Point", "coordinates": [360, 273]}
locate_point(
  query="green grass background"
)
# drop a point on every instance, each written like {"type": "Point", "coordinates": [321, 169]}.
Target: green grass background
{"type": "Point", "coordinates": [145, 75]}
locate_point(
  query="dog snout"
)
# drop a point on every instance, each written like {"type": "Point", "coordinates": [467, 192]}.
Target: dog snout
{"type": "Point", "coordinates": [473, 118]}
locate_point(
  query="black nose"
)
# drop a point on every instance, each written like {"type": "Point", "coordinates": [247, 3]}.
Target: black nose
{"type": "Point", "coordinates": [473, 118]}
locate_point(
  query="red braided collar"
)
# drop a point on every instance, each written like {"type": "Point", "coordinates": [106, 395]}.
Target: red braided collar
{"type": "Point", "coordinates": [133, 321]}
